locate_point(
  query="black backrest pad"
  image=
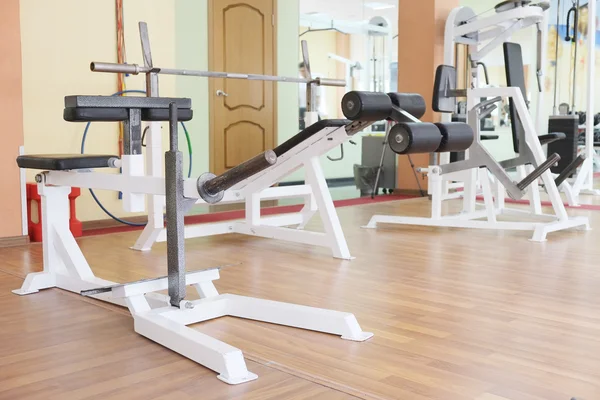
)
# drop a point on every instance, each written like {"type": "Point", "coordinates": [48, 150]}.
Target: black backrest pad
{"type": "Point", "coordinates": [307, 133]}
{"type": "Point", "coordinates": [162, 114]}
{"type": "Point", "coordinates": [86, 114]}
{"type": "Point", "coordinates": [412, 103]}
{"type": "Point", "coordinates": [125, 102]}
{"type": "Point", "coordinates": [515, 77]}
{"type": "Point", "coordinates": [445, 80]}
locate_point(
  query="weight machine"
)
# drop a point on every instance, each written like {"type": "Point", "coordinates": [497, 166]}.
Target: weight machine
{"type": "Point", "coordinates": [165, 319]}
{"type": "Point", "coordinates": [482, 35]}
{"type": "Point", "coordinates": [417, 137]}
{"type": "Point", "coordinates": [252, 190]}
{"type": "Point", "coordinates": [583, 182]}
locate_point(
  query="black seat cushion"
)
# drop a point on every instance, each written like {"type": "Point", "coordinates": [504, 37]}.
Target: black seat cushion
{"type": "Point", "coordinates": [62, 162]}
{"type": "Point", "coordinates": [308, 132]}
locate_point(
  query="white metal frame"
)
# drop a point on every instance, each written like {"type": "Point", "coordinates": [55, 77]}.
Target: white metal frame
{"type": "Point", "coordinates": [65, 267]}
{"type": "Point", "coordinates": [482, 35]}
{"type": "Point", "coordinates": [470, 217]}
{"type": "Point", "coordinates": [315, 194]}
{"type": "Point", "coordinates": [500, 27]}
{"type": "Point", "coordinates": [584, 180]}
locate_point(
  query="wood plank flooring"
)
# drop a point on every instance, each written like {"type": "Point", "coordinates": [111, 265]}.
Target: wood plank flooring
{"type": "Point", "coordinates": [457, 314]}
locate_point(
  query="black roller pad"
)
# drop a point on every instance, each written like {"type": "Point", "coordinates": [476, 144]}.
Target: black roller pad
{"type": "Point", "coordinates": [414, 138]}
{"type": "Point", "coordinates": [412, 103]}
{"type": "Point", "coordinates": [62, 162]}
{"type": "Point", "coordinates": [456, 136]}
{"type": "Point", "coordinates": [366, 106]}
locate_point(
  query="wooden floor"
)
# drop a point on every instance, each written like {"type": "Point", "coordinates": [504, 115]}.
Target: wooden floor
{"type": "Point", "coordinates": [457, 314]}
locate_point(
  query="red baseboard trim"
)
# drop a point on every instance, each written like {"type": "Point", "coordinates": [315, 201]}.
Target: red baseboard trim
{"type": "Point", "coordinates": [238, 214]}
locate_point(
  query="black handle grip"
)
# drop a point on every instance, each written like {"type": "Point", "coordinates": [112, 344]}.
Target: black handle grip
{"type": "Point", "coordinates": [576, 163]}
{"type": "Point", "coordinates": [211, 188]}
{"type": "Point", "coordinates": [568, 38]}
{"type": "Point", "coordinates": [543, 167]}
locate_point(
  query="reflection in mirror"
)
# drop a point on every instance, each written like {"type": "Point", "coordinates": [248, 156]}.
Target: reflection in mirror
{"type": "Point", "coordinates": [354, 40]}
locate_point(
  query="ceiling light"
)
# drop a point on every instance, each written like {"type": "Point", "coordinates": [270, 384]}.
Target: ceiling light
{"type": "Point", "coordinates": [375, 5]}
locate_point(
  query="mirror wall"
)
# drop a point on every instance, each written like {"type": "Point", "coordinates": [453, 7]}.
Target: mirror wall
{"type": "Point", "coordinates": [355, 40]}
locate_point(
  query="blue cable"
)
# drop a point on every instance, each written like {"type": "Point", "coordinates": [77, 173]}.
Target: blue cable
{"type": "Point", "coordinates": [85, 132]}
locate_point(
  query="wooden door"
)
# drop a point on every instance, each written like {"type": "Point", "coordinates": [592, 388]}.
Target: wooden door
{"type": "Point", "coordinates": [242, 119]}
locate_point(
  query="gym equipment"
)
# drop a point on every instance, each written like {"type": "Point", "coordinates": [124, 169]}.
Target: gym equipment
{"type": "Point", "coordinates": [582, 182]}
{"type": "Point", "coordinates": [161, 318]}
{"type": "Point", "coordinates": [566, 122]}
{"type": "Point", "coordinates": [479, 164]}
{"type": "Point", "coordinates": [481, 34]}
{"type": "Point", "coordinates": [415, 138]}
{"type": "Point", "coordinates": [324, 136]}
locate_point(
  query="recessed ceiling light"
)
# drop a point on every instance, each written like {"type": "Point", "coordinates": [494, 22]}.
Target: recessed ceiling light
{"type": "Point", "coordinates": [375, 5]}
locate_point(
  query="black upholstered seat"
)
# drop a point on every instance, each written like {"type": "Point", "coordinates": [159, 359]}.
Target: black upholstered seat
{"type": "Point", "coordinates": [62, 162]}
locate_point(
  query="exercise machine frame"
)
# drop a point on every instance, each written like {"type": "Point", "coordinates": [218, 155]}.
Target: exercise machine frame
{"type": "Point", "coordinates": [470, 172]}
{"type": "Point", "coordinates": [165, 319]}
{"type": "Point", "coordinates": [315, 193]}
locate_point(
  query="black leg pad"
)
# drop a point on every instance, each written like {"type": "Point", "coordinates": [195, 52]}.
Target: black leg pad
{"type": "Point", "coordinates": [414, 137]}
{"type": "Point", "coordinates": [366, 106]}
{"type": "Point", "coordinates": [456, 136]}
{"type": "Point", "coordinates": [412, 103]}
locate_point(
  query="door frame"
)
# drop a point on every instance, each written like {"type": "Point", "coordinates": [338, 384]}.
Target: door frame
{"type": "Point", "coordinates": [212, 87]}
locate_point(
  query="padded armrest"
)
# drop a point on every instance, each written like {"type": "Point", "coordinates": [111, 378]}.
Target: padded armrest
{"type": "Point", "coordinates": [307, 133]}
{"type": "Point", "coordinates": [551, 137]}
{"type": "Point", "coordinates": [62, 162]}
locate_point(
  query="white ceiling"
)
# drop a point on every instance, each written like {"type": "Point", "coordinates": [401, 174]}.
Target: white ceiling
{"type": "Point", "coordinates": [350, 10]}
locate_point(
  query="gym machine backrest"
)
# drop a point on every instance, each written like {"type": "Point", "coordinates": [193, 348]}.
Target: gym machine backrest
{"type": "Point", "coordinates": [129, 110]}
{"type": "Point", "coordinates": [444, 100]}
{"type": "Point", "coordinates": [558, 142]}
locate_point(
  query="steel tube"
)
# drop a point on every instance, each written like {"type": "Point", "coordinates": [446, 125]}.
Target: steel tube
{"type": "Point", "coordinates": [175, 212]}
{"type": "Point", "coordinates": [240, 172]}
{"type": "Point", "coordinates": [135, 69]}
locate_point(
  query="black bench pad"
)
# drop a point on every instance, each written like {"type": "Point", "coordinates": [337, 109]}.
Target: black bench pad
{"type": "Point", "coordinates": [62, 162]}
{"type": "Point", "coordinates": [91, 114]}
{"type": "Point", "coordinates": [308, 132]}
